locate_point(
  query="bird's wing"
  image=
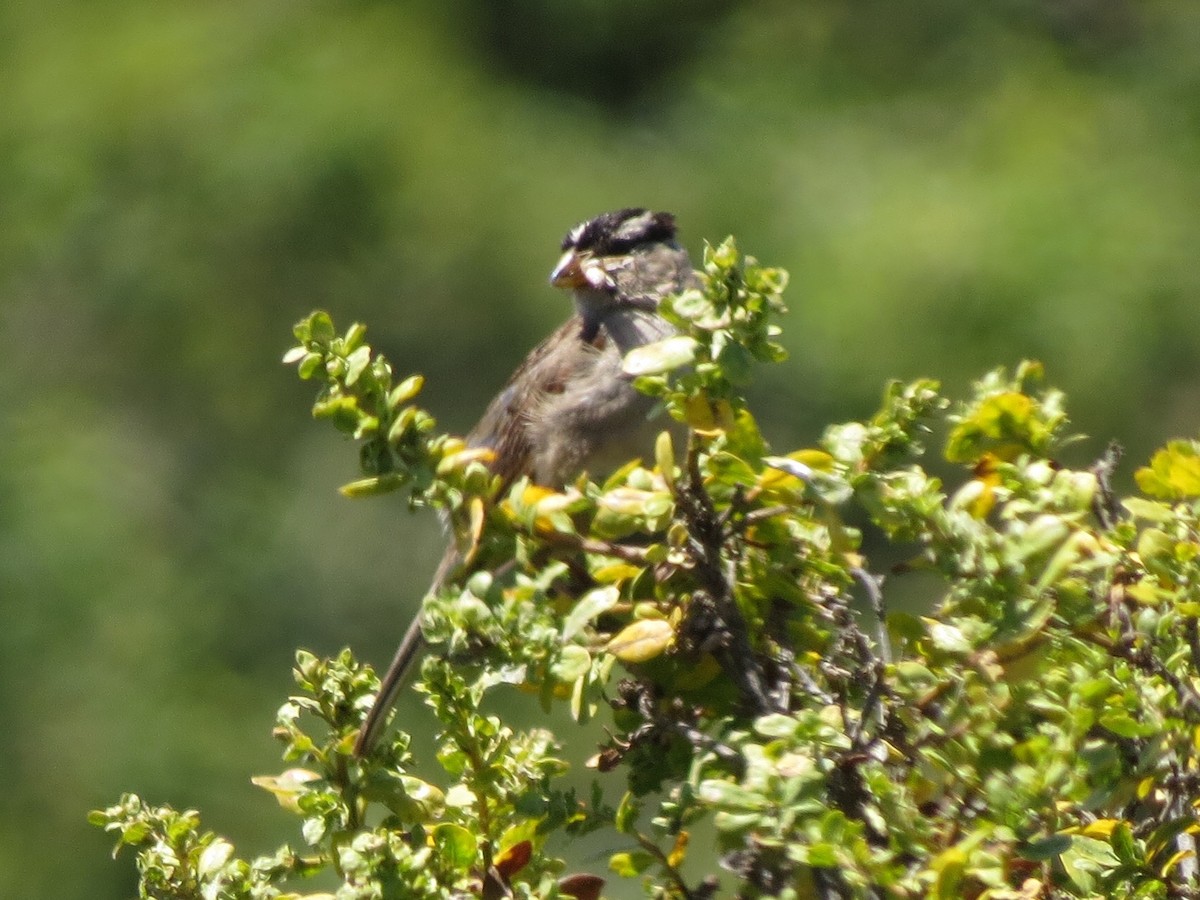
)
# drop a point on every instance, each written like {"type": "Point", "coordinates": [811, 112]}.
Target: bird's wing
{"type": "Point", "coordinates": [545, 372]}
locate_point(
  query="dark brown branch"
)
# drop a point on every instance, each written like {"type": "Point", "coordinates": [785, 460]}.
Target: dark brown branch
{"type": "Point", "coordinates": [1191, 631]}
{"type": "Point", "coordinates": [707, 545]}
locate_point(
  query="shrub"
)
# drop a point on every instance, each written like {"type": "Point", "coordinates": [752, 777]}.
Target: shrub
{"type": "Point", "coordinates": [781, 731]}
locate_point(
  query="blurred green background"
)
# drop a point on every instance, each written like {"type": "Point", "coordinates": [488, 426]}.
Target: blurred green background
{"type": "Point", "coordinates": [952, 184]}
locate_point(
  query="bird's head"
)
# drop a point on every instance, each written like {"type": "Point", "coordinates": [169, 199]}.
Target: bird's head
{"type": "Point", "coordinates": [596, 251]}
{"type": "Point", "coordinates": [626, 258]}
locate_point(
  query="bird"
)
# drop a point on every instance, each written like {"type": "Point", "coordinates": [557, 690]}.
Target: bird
{"type": "Point", "coordinates": [569, 407]}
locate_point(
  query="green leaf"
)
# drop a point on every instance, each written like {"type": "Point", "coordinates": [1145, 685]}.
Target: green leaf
{"type": "Point", "coordinates": [1124, 725]}
{"type": "Point", "coordinates": [572, 664]}
{"type": "Point", "coordinates": [949, 865]}
{"type": "Point", "coordinates": [1046, 848]}
{"type": "Point", "coordinates": [729, 796]}
{"type": "Point", "coordinates": [1123, 845]}
{"type": "Point", "coordinates": [409, 797]}
{"type": "Point", "coordinates": [692, 304]}
{"type": "Point", "coordinates": [1084, 861]}
{"type": "Point", "coordinates": [1044, 532]}
{"type": "Point", "coordinates": [722, 257]}
{"type": "Point", "coordinates": [310, 365]}
{"type": "Point", "coordinates": [662, 356]}
{"type": "Point", "coordinates": [664, 457]}
{"type": "Point", "coordinates": [627, 813]}
{"type": "Point", "coordinates": [592, 604]}
{"type": "Point", "coordinates": [1173, 473]}
{"type": "Point", "coordinates": [823, 856]}
{"type": "Point", "coordinates": [371, 487]}
{"type": "Point", "coordinates": [630, 865]}
{"type": "Point", "coordinates": [948, 638]}
{"type": "Point", "coordinates": [320, 328]}
{"type": "Point", "coordinates": [294, 355]}
{"type": "Point", "coordinates": [213, 858]}
{"type": "Point", "coordinates": [456, 845]}
{"type": "Point", "coordinates": [777, 725]}
{"type": "Point", "coordinates": [405, 391]}
{"type": "Point", "coordinates": [1149, 510]}
{"type": "Point", "coordinates": [354, 336]}
{"type": "Point", "coordinates": [356, 364]}
{"type": "Point", "coordinates": [735, 361]}
{"type": "Point", "coordinates": [642, 640]}
{"type": "Point", "coordinates": [1153, 543]}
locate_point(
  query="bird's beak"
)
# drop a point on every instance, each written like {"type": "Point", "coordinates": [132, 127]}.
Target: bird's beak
{"type": "Point", "coordinates": [579, 270]}
{"type": "Point", "coordinates": [568, 273]}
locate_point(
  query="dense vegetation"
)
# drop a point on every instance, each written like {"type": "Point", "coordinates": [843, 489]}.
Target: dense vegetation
{"type": "Point", "coordinates": [953, 186]}
{"type": "Point", "coordinates": [1034, 737]}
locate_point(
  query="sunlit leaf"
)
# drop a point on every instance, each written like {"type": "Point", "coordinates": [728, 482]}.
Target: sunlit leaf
{"type": "Point", "coordinates": [642, 640]}
{"type": "Point", "coordinates": [592, 604]}
{"type": "Point", "coordinates": [1173, 473]}
{"type": "Point", "coordinates": [662, 356]}
{"type": "Point", "coordinates": [456, 844]}
{"type": "Point", "coordinates": [286, 786]}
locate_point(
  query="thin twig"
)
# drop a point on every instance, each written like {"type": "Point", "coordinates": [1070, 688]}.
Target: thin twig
{"type": "Point", "coordinates": [872, 584]}
{"type": "Point", "coordinates": [623, 552]}
{"type": "Point", "coordinates": [874, 695]}
{"type": "Point", "coordinates": [1105, 506]}
{"type": "Point", "coordinates": [676, 876]}
{"type": "Point", "coordinates": [723, 752]}
{"type": "Point", "coordinates": [766, 512]}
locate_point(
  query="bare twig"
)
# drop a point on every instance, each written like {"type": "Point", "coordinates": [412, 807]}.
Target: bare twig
{"type": "Point", "coordinates": [1105, 506]}
{"type": "Point", "coordinates": [873, 584]}
{"type": "Point", "coordinates": [673, 873]}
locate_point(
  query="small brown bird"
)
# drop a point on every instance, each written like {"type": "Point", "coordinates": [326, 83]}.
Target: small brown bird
{"type": "Point", "coordinates": [569, 407]}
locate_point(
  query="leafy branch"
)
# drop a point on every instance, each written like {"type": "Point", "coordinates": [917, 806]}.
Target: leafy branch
{"type": "Point", "coordinates": [1029, 734]}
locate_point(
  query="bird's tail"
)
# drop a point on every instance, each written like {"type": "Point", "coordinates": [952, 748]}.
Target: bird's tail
{"type": "Point", "coordinates": [389, 688]}
{"type": "Point", "coordinates": [394, 679]}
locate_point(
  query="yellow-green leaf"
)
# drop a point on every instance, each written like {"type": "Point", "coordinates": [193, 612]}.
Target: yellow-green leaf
{"type": "Point", "coordinates": [287, 786]}
{"type": "Point", "coordinates": [590, 605]}
{"type": "Point", "coordinates": [661, 356]}
{"type": "Point", "coordinates": [456, 845]}
{"type": "Point", "coordinates": [642, 640]}
{"type": "Point", "coordinates": [1173, 473]}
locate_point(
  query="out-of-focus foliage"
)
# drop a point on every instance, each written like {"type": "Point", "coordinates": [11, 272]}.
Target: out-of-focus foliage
{"type": "Point", "coordinates": [952, 185]}
{"type": "Point", "coordinates": [1033, 737]}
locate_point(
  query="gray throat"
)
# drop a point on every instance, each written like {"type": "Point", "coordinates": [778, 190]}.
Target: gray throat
{"type": "Point", "coordinates": [628, 326]}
